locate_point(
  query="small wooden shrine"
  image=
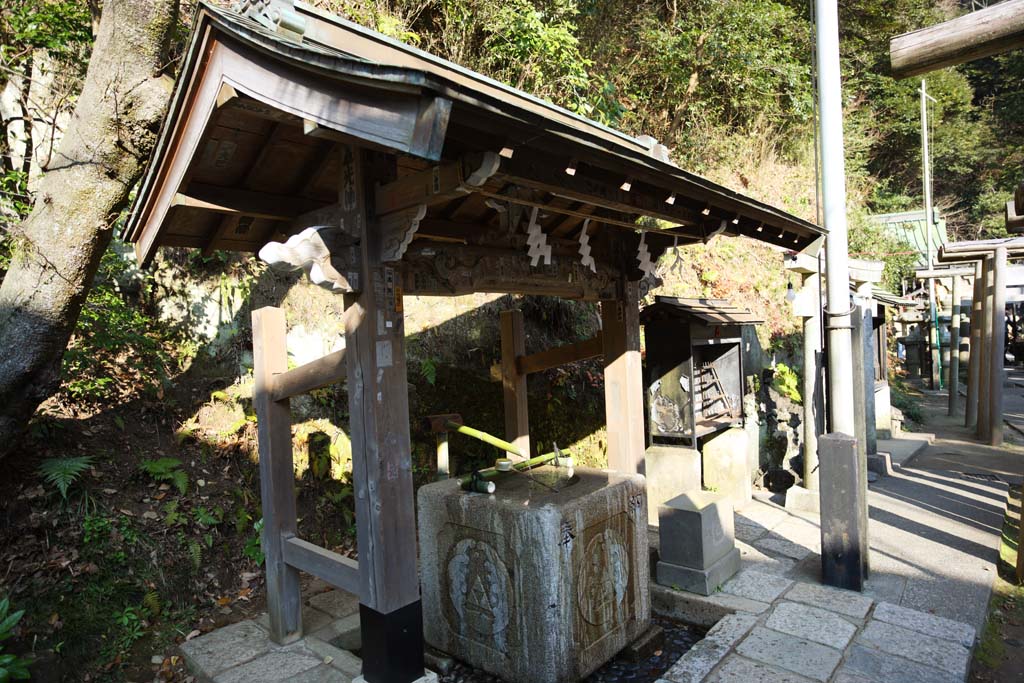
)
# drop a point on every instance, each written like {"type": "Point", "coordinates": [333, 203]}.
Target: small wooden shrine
{"type": "Point", "coordinates": [382, 171]}
{"type": "Point", "coordinates": [694, 367]}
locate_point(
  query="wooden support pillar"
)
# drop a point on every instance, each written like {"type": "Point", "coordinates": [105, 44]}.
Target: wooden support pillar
{"type": "Point", "coordinates": [974, 360]}
{"type": "Point", "coordinates": [390, 612]}
{"type": "Point", "coordinates": [953, 383]}
{"type": "Point", "coordinates": [513, 382]}
{"type": "Point", "coordinates": [995, 430]}
{"type": "Point", "coordinates": [277, 479]}
{"type": "Point", "coordinates": [623, 381]}
{"type": "Point", "coordinates": [985, 375]}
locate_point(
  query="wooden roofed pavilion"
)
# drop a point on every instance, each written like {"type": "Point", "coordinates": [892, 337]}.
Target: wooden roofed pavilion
{"type": "Point", "coordinates": [417, 177]}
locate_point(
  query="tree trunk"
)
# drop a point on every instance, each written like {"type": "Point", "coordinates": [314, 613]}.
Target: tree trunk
{"type": "Point", "coordinates": [57, 249]}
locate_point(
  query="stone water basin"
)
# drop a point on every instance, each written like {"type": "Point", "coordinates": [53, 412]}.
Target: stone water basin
{"type": "Point", "coordinates": [531, 584]}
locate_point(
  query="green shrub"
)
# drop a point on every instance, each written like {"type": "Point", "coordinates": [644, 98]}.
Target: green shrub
{"type": "Point", "coordinates": [787, 382]}
{"type": "Point", "coordinates": [166, 469]}
{"type": "Point", "coordinates": [12, 667]}
{"type": "Point", "coordinates": [64, 472]}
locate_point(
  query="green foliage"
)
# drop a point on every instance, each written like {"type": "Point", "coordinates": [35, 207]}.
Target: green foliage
{"type": "Point", "coordinates": [12, 667]}
{"type": "Point", "coordinates": [700, 73]}
{"type": "Point", "coordinates": [903, 398]}
{"type": "Point", "coordinates": [787, 382]}
{"type": "Point", "coordinates": [870, 241]}
{"type": "Point", "coordinates": [95, 530]}
{"type": "Point", "coordinates": [428, 371]}
{"type": "Point", "coordinates": [60, 27]}
{"type": "Point", "coordinates": [151, 602]}
{"type": "Point", "coordinates": [116, 349]}
{"type": "Point", "coordinates": [173, 516]}
{"type": "Point", "coordinates": [207, 518]}
{"type": "Point", "coordinates": [63, 472]}
{"type": "Point", "coordinates": [195, 553]}
{"type": "Point", "coordinates": [130, 626]}
{"type": "Point", "coordinates": [253, 545]}
{"type": "Point", "coordinates": [166, 469]}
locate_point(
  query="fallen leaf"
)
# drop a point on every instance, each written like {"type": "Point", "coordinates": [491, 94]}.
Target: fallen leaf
{"type": "Point", "coordinates": [224, 601]}
{"type": "Point", "coordinates": [192, 634]}
{"type": "Point", "coordinates": [149, 514]}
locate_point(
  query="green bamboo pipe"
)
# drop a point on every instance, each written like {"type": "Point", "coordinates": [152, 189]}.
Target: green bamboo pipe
{"type": "Point", "coordinates": [483, 436]}
{"type": "Point", "coordinates": [522, 465]}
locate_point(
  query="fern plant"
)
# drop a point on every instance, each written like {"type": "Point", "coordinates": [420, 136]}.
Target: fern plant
{"type": "Point", "coordinates": [12, 667]}
{"type": "Point", "coordinates": [166, 469]}
{"type": "Point", "coordinates": [64, 472]}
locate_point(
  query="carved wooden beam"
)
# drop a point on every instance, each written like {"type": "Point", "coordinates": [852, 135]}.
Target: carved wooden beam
{"type": "Point", "coordinates": [402, 204]}
{"type": "Point", "coordinates": [448, 270]}
{"type": "Point", "coordinates": [329, 257]}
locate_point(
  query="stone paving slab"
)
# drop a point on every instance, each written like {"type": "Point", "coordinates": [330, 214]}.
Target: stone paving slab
{"type": "Point", "coordinates": [918, 647]}
{"type": "Point", "coordinates": [873, 665]}
{"type": "Point", "coordinates": [773, 542]}
{"type": "Point", "coordinates": [755, 585]}
{"type": "Point", "coordinates": [922, 622]}
{"type": "Point", "coordinates": [225, 648]}
{"type": "Point", "coordinates": [753, 558]}
{"type": "Point", "coordinates": [696, 664]}
{"type": "Point", "coordinates": [847, 603]}
{"type": "Point", "coordinates": [798, 655]}
{"type": "Point", "coordinates": [737, 669]}
{"type": "Point", "coordinates": [277, 665]}
{"type": "Point", "coordinates": [700, 610]}
{"type": "Point", "coordinates": [812, 623]}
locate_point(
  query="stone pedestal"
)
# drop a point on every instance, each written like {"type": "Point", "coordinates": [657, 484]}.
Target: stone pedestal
{"type": "Point", "coordinates": [697, 544]}
{"type": "Point", "coordinates": [670, 471]}
{"type": "Point", "coordinates": [724, 458]}
{"type": "Point", "coordinates": [533, 585]}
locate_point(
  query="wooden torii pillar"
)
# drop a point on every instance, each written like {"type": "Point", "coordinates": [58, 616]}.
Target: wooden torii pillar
{"type": "Point", "coordinates": [953, 366]}
{"type": "Point", "coordinates": [993, 255]}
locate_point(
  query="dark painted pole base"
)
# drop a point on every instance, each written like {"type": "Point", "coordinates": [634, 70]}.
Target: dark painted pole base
{"type": "Point", "coordinates": [392, 646]}
{"type": "Point", "coordinates": [844, 546]}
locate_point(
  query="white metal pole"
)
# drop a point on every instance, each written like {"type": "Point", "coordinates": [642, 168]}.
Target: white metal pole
{"type": "Point", "coordinates": [935, 338]}
{"type": "Point", "coordinates": [840, 350]}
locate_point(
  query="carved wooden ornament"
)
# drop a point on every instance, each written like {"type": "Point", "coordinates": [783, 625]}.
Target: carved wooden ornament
{"type": "Point", "coordinates": [308, 251]}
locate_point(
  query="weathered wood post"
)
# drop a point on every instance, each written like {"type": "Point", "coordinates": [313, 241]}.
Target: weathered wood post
{"type": "Point", "coordinates": [513, 382]}
{"type": "Point", "coordinates": [953, 384]}
{"type": "Point", "coordinates": [995, 430]}
{"type": "Point", "coordinates": [985, 376]}
{"type": "Point", "coordinates": [844, 545]}
{"type": "Point", "coordinates": [623, 380]}
{"type": "Point", "coordinates": [277, 478]}
{"type": "Point", "coordinates": [390, 611]}
{"type": "Point", "coordinates": [974, 360]}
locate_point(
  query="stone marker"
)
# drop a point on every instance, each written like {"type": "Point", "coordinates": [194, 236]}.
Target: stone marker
{"type": "Point", "coordinates": [670, 471]}
{"type": "Point", "coordinates": [697, 545]}
{"type": "Point", "coordinates": [844, 544]}
{"type": "Point", "coordinates": [533, 585]}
